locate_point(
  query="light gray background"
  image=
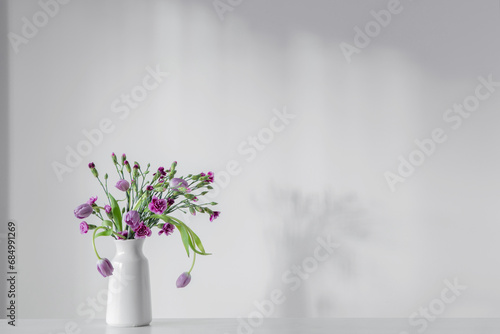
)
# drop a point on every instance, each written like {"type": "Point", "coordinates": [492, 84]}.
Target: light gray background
{"type": "Point", "coordinates": [323, 175]}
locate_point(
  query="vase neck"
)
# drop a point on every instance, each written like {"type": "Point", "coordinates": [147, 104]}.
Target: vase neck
{"type": "Point", "coordinates": [131, 246]}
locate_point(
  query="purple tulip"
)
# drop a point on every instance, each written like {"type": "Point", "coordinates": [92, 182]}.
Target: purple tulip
{"type": "Point", "coordinates": [105, 267]}
{"type": "Point", "coordinates": [107, 208]}
{"type": "Point", "coordinates": [83, 211]}
{"type": "Point", "coordinates": [167, 229]}
{"type": "Point", "coordinates": [214, 215]}
{"type": "Point", "coordinates": [142, 231]}
{"type": "Point", "coordinates": [84, 227]}
{"type": "Point", "coordinates": [183, 280]}
{"type": "Point", "coordinates": [158, 205]}
{"type": "Point", "coordinates": [178, 182]}
{"type": "Point", "coordinates": [123, 185]}
{"type": "Point", "coordinates": [132, 219]}
{"type": "Point", "coordinates": [92, 200]}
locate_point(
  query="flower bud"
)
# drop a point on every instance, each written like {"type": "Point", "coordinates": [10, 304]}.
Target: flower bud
{"type": "Point", "coordinates": [107, 208]}
{"type": "Point", "coordinates": [106, 176]}
{"type": "Point", "coordinates": [105, 267]}
{"type": "Point", "coordinates": [113, 157]}
{"type": "Point", "coordinates": [176, 183]}
{"type": "Point", "coordinates": [127, 166]}
{"type": "Point", "coordinates": [192, 210]}
{"type": "Point", "coordinates": [83, 211]}
{"type": "Point", "coordinates": [183, 280]}
{"type": "Point", "coordinates": [174, 164]}
{"type": "Point", "coordinates": [124, 157]}
{"type": "Point", "coordinates": [122, 185]}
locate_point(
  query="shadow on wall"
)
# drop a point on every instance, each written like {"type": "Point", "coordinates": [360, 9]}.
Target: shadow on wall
{"type": "Point", "coordinates": [313, 240]}
{"type": "Point", "coordinates": [4, 145]}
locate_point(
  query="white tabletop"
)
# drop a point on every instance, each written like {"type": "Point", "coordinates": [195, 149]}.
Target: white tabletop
{"type": "Point", "coordinates": [268, 326]}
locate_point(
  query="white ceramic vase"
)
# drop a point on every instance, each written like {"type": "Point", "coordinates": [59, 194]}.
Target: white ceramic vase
{"type": "Point", "coordinates": [129, 291]}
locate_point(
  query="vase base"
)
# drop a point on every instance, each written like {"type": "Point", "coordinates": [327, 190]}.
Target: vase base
{"type": "Point", "coordinates": [128, 325]}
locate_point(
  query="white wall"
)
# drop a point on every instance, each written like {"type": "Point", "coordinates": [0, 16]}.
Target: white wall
{"type": "Point", "coordinates": [322, 175]}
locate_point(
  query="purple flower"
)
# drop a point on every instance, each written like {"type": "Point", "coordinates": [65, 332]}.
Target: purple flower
{"type": "Point", "coordinates": [132, 219]}
{"type": "Point", "coordinates": [178, 182]}
{"type": "Point", "coordinates": [183, 280]}
{"type": "Point", "coordinates": [105, 267]}
{"type": "Point", "coordinates": [91, 165]}
{"type": "Point", "coordinates": [124, 233]}
{"type": "Point", "coordinates": [149, 188]}
{"type": "Point", "coordinates": [123, 185]}
{"type": "Point", "coordinates": [92, 200]}
{"type": "Point", "coordinates": [84, 227]}
{"type": "Point", "coordinates": [167, 229]}
{"type": "Point", "coordinates": [195, 199]}
{"type": "Point", "coordinates": [142, 231]}
{"type": "Point", "coordinates": [170, 201]}
{"type": "Point", "coordinates": [214, 215]}
{"type": "Point", "coordinates": [161, 170]}
{"type": "Point", "coordinates": [210, 177]}
{"type": "Point", "coordinates": [158, 205]}
{"type": "Point", "coordinates": [107, 208]}
{"type": "Point", "coordinates": [83, 211]}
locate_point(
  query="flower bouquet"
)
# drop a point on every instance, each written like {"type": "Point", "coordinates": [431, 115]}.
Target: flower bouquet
{"type": "Point", "coordinates": [147, 204]}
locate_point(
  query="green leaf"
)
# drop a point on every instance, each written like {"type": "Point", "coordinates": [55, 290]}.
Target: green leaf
{"type": "Point", "coordinates": [115, 210]}
{"type": "Point", "coordinates": [197, 241]}
{"type": "Point", "coordinates": [105, 233]}
{"type": "Point", "coordinates": [186, 240]}
{"type": "Point", "coordinates": [107, 223]}
{"type": "Point", "coordinates": [139, 202]}
{"type": "Point", "coordinates": [187, 235]}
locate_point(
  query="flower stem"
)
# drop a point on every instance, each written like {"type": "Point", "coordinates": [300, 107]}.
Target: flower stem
{"type": "Point", "coordinates": [93, 241]}
{"type": "Point", "coordinates": [194, 260]}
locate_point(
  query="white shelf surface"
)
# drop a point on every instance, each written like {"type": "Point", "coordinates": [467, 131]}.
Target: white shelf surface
{"type": "Point", "coordinates": [268, 326]}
